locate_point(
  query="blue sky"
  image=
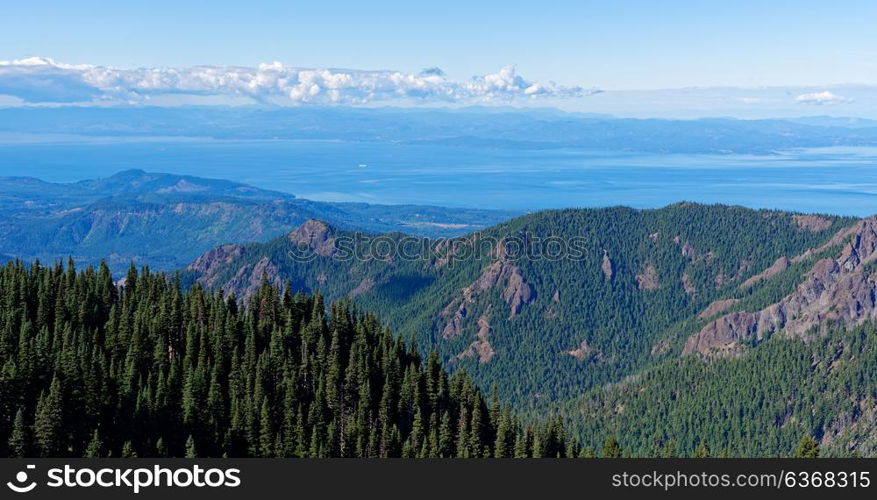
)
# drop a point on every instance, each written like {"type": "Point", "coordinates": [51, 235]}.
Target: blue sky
{"type": "Point", "coordinates": [805, 46]}
{"type": "Point", "coordinates": [613, 45]}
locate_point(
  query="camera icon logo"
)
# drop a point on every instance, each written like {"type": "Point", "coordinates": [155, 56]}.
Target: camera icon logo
{"type": "Point", "coordinates": [19, 485]}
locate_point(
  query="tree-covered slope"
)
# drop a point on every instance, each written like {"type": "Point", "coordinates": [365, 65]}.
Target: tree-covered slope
{"type": "Point", "coordinates": [148, 369]}
{"type": "Point", "coordinates": [759, 404]}
{"type": "Point", "coordinates": [623, 294]}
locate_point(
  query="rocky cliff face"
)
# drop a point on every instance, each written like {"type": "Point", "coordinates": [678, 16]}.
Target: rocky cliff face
{"type": "Point", "coordinates": [716, 307]}
{"type": "Point", "coordinates": [516, 293]}
{"type": "Point", "coordinates": [607, 266]}
{"type": "Point", "coordinates": [210, 264]}
{"type": "Point", "coordinates": [314, 235]}
{"type": "Point", "coordinates": [837, 292]}
{"type": "Point", "coordinates": [481, 347]}
{"type": "Point", "coordinates": [814, 223]}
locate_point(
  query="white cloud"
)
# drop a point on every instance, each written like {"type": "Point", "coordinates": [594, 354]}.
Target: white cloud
{"type": "Point", "coordinates": [42, 80]}
{"type": "Point", "coordinates": [824, 97]}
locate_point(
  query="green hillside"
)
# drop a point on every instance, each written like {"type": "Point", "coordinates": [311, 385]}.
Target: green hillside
{"type": "Point", "coordinates": [758, 405]}
{"type": "Point", "coordinates": [148, 370]}
{"type": "Point", "coordinates": [546, 329]}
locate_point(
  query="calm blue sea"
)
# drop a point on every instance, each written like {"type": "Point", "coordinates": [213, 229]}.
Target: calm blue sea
{"type": "Point", "coordinates": [830, 180]}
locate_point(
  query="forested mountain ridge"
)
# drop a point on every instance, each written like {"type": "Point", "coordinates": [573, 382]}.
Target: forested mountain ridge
{"type": "Point", "coordinates": [35, 195]}
{"type": "Point", "coordinates": [679, 330]}
{"type": "Point", "coordinates": [547, 329]}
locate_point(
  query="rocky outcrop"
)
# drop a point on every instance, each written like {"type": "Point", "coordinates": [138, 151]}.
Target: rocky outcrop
{"type": "Point", "coordinates": [364, 286]}
{"type": "Point", "coordinates": [551, 313]}
{"type": "Point", "coordinates": [459, 307]}
{"type": "Point", "coordinates": [213, 268]}
{"type": "Point", "coordinates": [687, 285]}
{"type": "Point", "coordinates": [517, 292]}
{"type": "Point", "coordinates": [723, 333]}
{"type": "Point", "coordinates": [454, 327]}
{"type": "Point", "coordinates": [488, 279]}
{"type": "Point", "coordinates": [210, 265]}
{"type": "Point", "coordinates": [314, 235]}
{"type": "Point", "coordinates": [688, 251]}
{"type": "Point", "coordinates": [608, 266]}
{"type": "Point", "coordinates": [854, 429]}
{"type": "Point", "coordinates": [247, 280]}
{"type": "Point", "coordinates": [648, 278]}
{"type": "Point", "coordinates": [776, 268]}
{"type": "Point", "coordinates": [481, 346]}
{"type": "Point", "coordinates": [583, 351]}
{"type": "Point", "coordinates": [812, 223]}
{"type": "Point", "coordinates": [837, 292]}
{"type": "Point", "coordinates": [716, 307]}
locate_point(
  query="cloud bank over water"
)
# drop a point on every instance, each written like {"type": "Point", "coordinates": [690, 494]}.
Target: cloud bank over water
{"type": "Point", "coordinates": [824, 97]}
{"type": "Point", "coordinates": [38, 81]}
{"type": "Point", "coordinates": [850, 100]}
{"type": "Point", "coordinates": [42, 80]}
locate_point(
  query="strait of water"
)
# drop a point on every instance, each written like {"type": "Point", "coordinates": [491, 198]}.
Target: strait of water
{"type": "Point", "coordinates": [829, 180]}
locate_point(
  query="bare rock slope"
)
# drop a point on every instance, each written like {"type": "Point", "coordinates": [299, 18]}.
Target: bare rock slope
{"type": "Point", "coordinates": [837, 292]}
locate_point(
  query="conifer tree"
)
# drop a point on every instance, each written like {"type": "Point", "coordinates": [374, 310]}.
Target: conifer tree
{"type": "Point", "coordinates": [504, 445]}
{"type": "Point", "coordinates": [611, 448]}
{"type": "Point", "coordinates": [95, 447]}
{"type": "Point", "coordinates": [48, 421]}
{"type": "Point", "coordinates": [191, 451]}
{"type": "Point", "coordinates": [807, 448]}
{"type": "Point", "coordinates": [670, 450]}
{"type": "Point", "coordinates": [19, 440]}
{"type": "Point", "coordinates": [521, 445]}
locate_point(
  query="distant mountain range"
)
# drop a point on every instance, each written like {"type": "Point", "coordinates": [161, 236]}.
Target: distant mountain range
{"type": "Point", "coordinates": [30, 194]}
{"type": "Point", "coordinates": [510, 128]}
{"type": "Point", "coordinates": [735, 329]}
{"type": "Point", "coordinates": [165, 220]}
